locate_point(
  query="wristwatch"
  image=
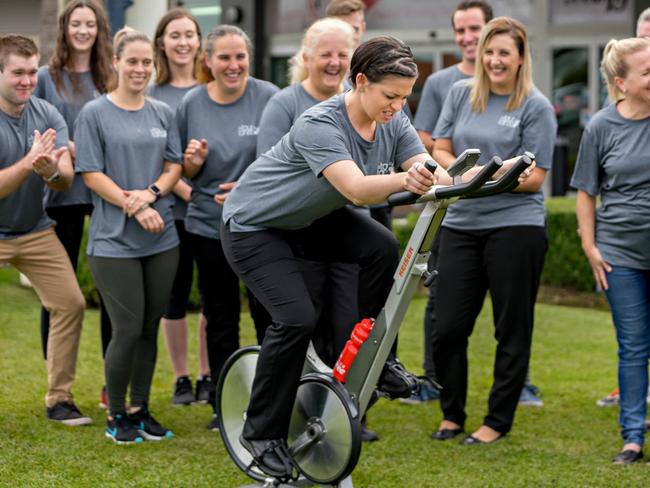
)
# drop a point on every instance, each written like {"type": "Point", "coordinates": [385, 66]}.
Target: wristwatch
{"type": "Point", "coordinates": [155, 190]}
{"type": "Point", "coordinates": [53, 178]}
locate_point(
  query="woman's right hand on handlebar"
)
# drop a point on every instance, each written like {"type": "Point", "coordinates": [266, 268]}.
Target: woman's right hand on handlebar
{"type": "Point", "coordinates": [418, 179]}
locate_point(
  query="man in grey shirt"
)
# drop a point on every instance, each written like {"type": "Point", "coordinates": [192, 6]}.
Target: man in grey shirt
{"type": "Point", "coordinates": [33, 156]}
{"type": "Point", "coordinates": [468, 20]}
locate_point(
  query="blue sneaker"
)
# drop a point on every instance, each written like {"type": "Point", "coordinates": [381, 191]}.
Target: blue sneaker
{"type": "Point", "coordinates": [148, 427]}
{"type": "Point", "coordinates": [529, 396]}
{"type": "Point", "coordinates": [426, 393]}
{"type": "Point", "coordinates": [121, 431]}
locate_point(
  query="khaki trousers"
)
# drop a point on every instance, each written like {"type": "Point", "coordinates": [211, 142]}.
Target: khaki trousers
{"type": "Point", "coordinates": [41, 257]}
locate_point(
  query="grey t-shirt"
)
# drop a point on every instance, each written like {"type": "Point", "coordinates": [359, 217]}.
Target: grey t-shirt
{"type": "Point", "coordinates": [130, 147]}
{"type": "Point", "coordinates": [434, 93]}
{"type": "Point", "coordinates": [285, 188]}
{"type": "Point", "coordinates": [22, 211]}
{"type": "Point", "coordinates": [231, 131]}
{"type": "Point", "coordinates": [69, 103]}
{"type": "Point", "coordinates": [172, 96]}
{"type": "Point", "coordinates": [280, 113]}
{"type": "Point", "coordinates": [531, 127]}
{"type": "Point", "coordinates": [613, 161]}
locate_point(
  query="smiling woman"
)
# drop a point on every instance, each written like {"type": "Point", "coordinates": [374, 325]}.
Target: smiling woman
{"type": "Point", "coordinates": [129, 156]}
{"type": "Point", "coordinates": [218, 123]}
{"type": "Point", "coordinates": [499, 245]}
{"type": "Point", "coordinates": [177, 52]}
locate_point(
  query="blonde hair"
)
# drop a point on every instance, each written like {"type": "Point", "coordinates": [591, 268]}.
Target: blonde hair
{"type": "Point", "coordinates": [127, 35]}
{"type": "Point", "coordinates": [614, 64]}
{"type": "Point", "coordinates": [480, 92]}
{"type": "Point", "coordinates": [297, 69]}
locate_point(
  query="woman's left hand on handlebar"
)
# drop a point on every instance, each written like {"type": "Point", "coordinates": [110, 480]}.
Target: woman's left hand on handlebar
{"type": "Point", "coordinates": [419, 179]}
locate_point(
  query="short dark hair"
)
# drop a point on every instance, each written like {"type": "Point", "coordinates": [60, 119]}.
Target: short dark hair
{"type": "Point", "coordinates": [381, 57]}
{"type": "Point", "coordinates": [338, 8]}
{"type": "Point", "coordinates": [16, 44]}
{"type": "Point", "coordinates": [468, 4]}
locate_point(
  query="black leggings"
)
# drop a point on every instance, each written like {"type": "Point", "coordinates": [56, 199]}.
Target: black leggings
{"type": "Point", "coordinates": [135, 291]}
{"type": "Point", "coordinates": [69, 229]}
{"type": "Point", "coordinates": [508, 261]}
{"type": "Point", "coordinates": [268, 263]}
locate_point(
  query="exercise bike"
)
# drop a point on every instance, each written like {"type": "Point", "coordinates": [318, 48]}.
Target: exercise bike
{"type": "Point", "coordinates": [325, 432]}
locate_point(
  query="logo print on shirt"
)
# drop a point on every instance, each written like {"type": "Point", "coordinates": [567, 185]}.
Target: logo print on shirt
{"type": "Point", "coordinates": [509, 121]}
{"type": "Point", "coordinates": [247, 130]}
{"type": "Point", "coordinates": [384, 168]}
{"type": "Point", "coordinates": [157, 133]}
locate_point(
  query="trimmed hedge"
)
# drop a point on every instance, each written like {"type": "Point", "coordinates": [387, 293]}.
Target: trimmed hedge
{"type": "Point", "coordinates": [566, 266]}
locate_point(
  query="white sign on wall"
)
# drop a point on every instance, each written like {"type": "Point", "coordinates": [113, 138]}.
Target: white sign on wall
{"type": "Point", "coordinates": [564, 12]}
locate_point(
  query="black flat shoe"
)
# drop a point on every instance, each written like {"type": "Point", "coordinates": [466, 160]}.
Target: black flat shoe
{"type": "Point", "coordinates": [628, 456]}
{"type": "Point", "coordinates": [271, 456]}
{"type": "Point", "coordinates": [470, 440]}
{"type": "Point", "coordinates": [446, 434]}
{"type": "Point", "coordinates": [368, 435]}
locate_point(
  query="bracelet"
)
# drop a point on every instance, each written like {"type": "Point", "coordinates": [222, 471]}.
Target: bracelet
{"type": "Point", "coordinates": [53, 178]}
{"type": "Point", "coordinates": [144, 207]}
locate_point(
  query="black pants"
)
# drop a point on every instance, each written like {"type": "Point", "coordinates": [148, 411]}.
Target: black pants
{"type": "Point", "coordinates": [69, 229]}
{"type": "Point", "coordinates": [508, 261]}
{"type": "Point", "coordinates": [333, 288]}
{"type": "Point", "coordinates": [267, 262]}
{"type": "Point", "coordinates": [135, 290]}
{"type": "Point", "coordinates": [176, 308]}
{"type": "Point", "coordinates": [430, 312]}
{"type": "Point", "coordinates": [219, 287]}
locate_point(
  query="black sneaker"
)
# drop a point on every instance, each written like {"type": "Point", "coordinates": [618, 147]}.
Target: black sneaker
{"type": "Point", "coordinates": [272, 456]}
{"type": "Point", "coordinates": [68, 414]}
{"type": "Point", "coordinates": [148, 427]}
{"type": "Point", "coordinates": [121, 431]}
{"type": "Point", "coordinates": [203, 385]}
{"type": "Point", "coordinates": [214, 423]}
{"type": "Point", "coordinates": [183, 394]}
{"type": "Point", "coordinates": [395, 381]}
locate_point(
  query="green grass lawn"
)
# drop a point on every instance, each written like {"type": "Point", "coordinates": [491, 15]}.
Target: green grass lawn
{"type": "Point", "coordinates": [568, 442]}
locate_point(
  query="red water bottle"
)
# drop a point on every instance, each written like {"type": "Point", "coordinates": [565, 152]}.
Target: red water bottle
{"type": "Point", "coordinates": [359, 334]}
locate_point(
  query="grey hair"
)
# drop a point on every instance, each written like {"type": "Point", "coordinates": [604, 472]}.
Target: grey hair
{"type": "Point", "coordinates": [643, 17]}
{"type": "Point", "coordinates": [313, 35]}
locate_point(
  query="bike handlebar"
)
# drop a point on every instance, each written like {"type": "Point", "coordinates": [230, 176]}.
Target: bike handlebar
{"type": "Point", "coordinates": [507, 182]}
{"type": "Point", "coordinates": [471, 186]}
{"type": "Point", "coordinates": [406, 197]}
{"type": "Point", "coordinates": [475, 188]}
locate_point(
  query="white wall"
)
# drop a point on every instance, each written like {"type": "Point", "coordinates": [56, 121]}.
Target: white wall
{"type": "Point", "coordinates": [144, 15]}
{"type": "Point", "coordinates": [20, 17]}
